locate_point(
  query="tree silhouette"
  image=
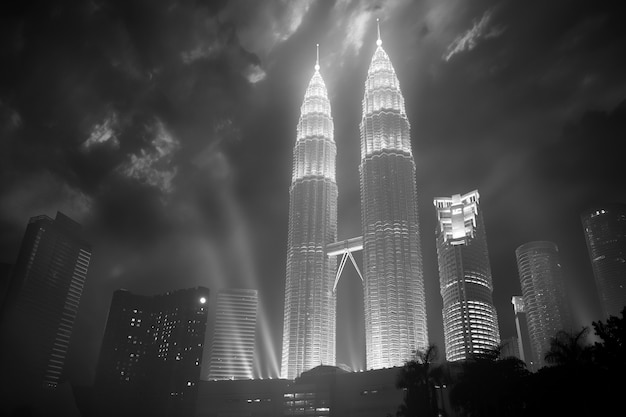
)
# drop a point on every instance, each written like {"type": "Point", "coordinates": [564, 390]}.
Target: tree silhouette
{"type": "Point", "coordinates": [489, 386]}
{"type": "Point", "coordinates": [568, 349]}
{"type": "Point", "coordinates": [417, 379]}
{"type": "Point", "coordinates": [582, 380]}
{"type": "Point", "coordinates": [611, 352]}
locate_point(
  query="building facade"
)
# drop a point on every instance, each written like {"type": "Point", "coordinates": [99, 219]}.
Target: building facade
{"type": "Point", "coordinates": [232, 348]}
{"type": "Point", "coordinates": [42, 300]}
{"type": "Point", "coordinates": [543, 291]}
{"type": "Point", "coordinates": [321, 391]}
{"type": "Point", "coordinates": [605, 233]}
{"type": "Point", "coordinates": [521, 327]}
{"type": "Point", "coordinates": [310, 303]}
{"type": "Point", "coordinates": [151, 353]}
{"type": "Point", "coordinates": [510, 348]}
{"type": "Point", "coordinates": [394, 299]}
{"type": "Point", "coordinates": [470, 320]}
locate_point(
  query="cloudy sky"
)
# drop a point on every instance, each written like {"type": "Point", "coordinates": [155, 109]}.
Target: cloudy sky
{"type": "Point", "coordinates": [166, 128]}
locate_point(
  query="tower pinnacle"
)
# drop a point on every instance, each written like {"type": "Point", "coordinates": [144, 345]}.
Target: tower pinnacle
{"type": "Point", "coordinates": [317, 61]}
{"type": "Point", "coordinates": [379, 41]}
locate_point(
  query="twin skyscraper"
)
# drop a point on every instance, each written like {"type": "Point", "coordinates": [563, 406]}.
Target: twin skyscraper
{"type": "Point", "coordinates": [394, 296]}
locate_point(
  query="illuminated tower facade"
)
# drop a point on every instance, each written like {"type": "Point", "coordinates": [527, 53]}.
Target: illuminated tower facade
{"type": "Point", "coordinates": [605, 232]}
{"type": "Point", "coordinates": [310, 304]}
{"type": "Point", "coordinates": [232, 350]}
{"type": "Point", "coordinates": [395, 305]}
{"type": "Point", "coordinates": [543, 291]}
{"type": "Point", "coordinates": [470, 322]}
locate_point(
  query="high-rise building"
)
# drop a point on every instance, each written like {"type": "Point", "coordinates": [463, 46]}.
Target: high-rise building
{"type": "Point", "coordinates": [394, 299]}
{"type": "Point", "coordinates": [521, 327]}
{"type": "Point", "coordinates": [310, 303]}
{"type": "Point", "coordinates": [543, 292]}
{"type": "Point", "coordinates": [470, 321]}
{"type": "Point", "coordinates": [605, 232]}
{"type": "Point", "coordinates": [151, 353]}
{"type": "Point", "coordinates": [42, 301]}
{"type": "Point", "coordinates": [232, 349]}
{"type": "Point", "coordinates": [510, 348]}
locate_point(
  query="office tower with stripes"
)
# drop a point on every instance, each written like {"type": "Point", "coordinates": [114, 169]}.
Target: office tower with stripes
{"type": "Point", "coordinates": [232, 348]}
{"type": "Point", "coordinates": [42, 301]}
{"type": "Point", "coordinates": [310, 303]}
{"type": "Point", "coordinates": [543, 291]}
{"type": "Point", "coordinates": [605, 233]}
{"type": "Point", "coordinates": [470, 321]}
{"type": "Point", "coordinates": [394, 299]}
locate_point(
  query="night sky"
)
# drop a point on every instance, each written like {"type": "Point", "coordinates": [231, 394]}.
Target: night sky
{"type": "Point", "coordinates": [167, 127]}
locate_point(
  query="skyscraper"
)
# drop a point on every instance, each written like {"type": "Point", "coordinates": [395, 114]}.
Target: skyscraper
{"type": "Point", "coordinates": [543, 291]}
{"type": "Point", "coordinates": [395, 306]}
{"type": "Point", "coordinates": [232, 349]}
{"type": "Point", "coordinates": [470, 321]}
{"type": "Point", "coordinates": [151, 353]}
{"type": "Point", "coordinates": [310, 304]}
{"type": "Point", "coordinates": [42, 300]}
{"type": "Point", "coordinates": [605, 233]}
{"type": "Point", "coordinates": [523, 337]}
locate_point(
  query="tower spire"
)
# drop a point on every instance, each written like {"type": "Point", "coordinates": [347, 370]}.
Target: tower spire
{"type": "Point", "coordinates": [379, 41]}
{"type": "Point", "coordinates": [317, 60]}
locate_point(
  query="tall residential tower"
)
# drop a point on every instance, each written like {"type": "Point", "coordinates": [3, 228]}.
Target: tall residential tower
{"type": "Point", "coordinates": [605, 232]}
{"type": "Point", "coordinates": [543, 290]}
{"type": "Point", "coordinates": [310, 304]}
{"type": "Point", "coordinates": [470, 321]}
{"type": "Point", "coordinates": [395, 306]}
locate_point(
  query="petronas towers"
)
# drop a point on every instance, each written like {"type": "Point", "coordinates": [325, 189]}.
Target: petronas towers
{"type": "Point", "coordinates": [394, 297]}
{"type": "Point", "coordinates": [310, 304]}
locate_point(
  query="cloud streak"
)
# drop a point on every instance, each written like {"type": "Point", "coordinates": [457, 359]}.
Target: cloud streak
{"type": "Point", "coordinates": [103, 132]}
{"type": "Point", "coordinates": [482, 29]}
{"type": "Point", "coordinates": [152, 166]}
{"type": "Point", "coordinates": [262, 26]}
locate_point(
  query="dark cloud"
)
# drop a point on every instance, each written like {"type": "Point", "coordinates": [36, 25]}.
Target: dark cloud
{"type": "Point", "coordinates": [72, 65]}
{"type": "Point", "coordinates": [585, 153]}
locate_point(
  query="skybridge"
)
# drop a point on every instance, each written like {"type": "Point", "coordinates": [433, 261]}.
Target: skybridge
{"type": "Point", "coordinates": [345, 248]}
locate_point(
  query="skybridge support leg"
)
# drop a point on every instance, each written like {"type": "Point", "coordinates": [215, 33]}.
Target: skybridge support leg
{"type": "Point", "coordinates": [344, 258]}
{"type": "Point", "coordinates": [345, 248]}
